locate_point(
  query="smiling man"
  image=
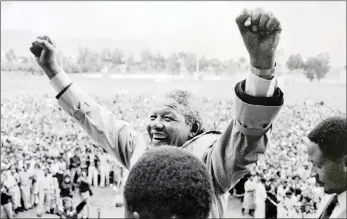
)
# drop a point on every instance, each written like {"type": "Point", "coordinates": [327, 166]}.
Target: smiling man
{"type": "Point", "coordinates": [327, 150]}
{"type": "Point", "coordinates": [176, 123]}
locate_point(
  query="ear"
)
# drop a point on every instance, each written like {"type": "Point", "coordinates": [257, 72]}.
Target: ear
{"type": "Point", "coordinates": [345, 162]}
{"type": "Point", "coordinates": [194, 129]}
{"type": "Point", "coordinates": [136, 215]}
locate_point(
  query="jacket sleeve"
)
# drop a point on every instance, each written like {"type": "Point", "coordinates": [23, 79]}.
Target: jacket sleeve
{"type": "Point", "coordinates": [117, 137]}
{"type": "Point", "coordinates": [246, 136]}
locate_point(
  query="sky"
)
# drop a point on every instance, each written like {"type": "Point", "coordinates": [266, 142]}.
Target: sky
{"type": "Point", "coordinates": [202, 27]}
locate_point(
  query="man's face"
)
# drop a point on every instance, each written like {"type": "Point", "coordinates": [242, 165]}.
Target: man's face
{"type": "Point", "coordinates": [167, 126]}
{"type": "Point", "coordinates": [329, 174]}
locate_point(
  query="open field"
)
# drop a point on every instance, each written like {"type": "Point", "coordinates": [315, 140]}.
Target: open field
{"type": "Point", "coordinates": [333, 95]}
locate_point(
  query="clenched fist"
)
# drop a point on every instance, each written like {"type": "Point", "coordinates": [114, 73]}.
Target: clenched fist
{"type": "Point", "coordinates": [260, 31]}
{"type": "Point", "coordinates": [45, 54]}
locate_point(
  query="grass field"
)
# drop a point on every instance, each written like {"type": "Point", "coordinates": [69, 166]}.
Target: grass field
{"type": "Point", "coordinates": [333, 95]}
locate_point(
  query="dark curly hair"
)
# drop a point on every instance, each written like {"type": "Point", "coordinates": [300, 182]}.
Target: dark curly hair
{"type": "Point", "coordinates": [169, 182]}
{"type": "Point", "coordinates": [331, 137]}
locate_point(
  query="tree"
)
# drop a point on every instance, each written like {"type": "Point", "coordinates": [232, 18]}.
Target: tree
{"type": "Point", "coordinates": [105, 54]}
{"type": "Point", "coordinates": [318, 66]}
{"type": "Point", "coordinates": [231, 66]}
{"type": "Point", "coordinates": [190, 62]}
{"type": "Point", "coordinates": [146, 60]}
{"type": "Point", "coordinates": [217, 65]}
{"type": "Point", "coordinates": [117, 56]}
{"type": "Point", "coordinates": [159, 62]}
{"type": "Point", "coordinates": [295, 62]}
{"type": "Point", "coordinates": [130, 62]}
{"type": "Point", "coordinates": [203, 64]}
{"type": "Point", "coordinates": [172, 64]}
{"type": "Point", "coordinates": [310, 74]}
{"type": "Point", "coordinates": [323, 65]}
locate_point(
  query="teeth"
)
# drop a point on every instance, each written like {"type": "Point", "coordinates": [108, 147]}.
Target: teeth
{"type": "Point", "coordinates": [160, 136]}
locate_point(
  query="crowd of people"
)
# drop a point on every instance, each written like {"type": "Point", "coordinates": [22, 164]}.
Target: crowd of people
{"type": "Point", "coordinates": [46, 169]}
{"type": "Point", "coordinates": [47, 159]}
{"type": "Point", "coordinates": [284, 171]}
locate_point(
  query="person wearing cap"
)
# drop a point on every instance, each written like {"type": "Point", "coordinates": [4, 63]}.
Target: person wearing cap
{"type": "Point", "coordinates": [176, 122]}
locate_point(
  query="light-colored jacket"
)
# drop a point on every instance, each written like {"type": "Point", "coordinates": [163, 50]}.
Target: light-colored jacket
{"type": "Point", "coordinates": [226, 154]}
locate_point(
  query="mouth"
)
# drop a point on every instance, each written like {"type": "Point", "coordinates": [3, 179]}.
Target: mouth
{"type": "Point", "coordinates": [158, 137]}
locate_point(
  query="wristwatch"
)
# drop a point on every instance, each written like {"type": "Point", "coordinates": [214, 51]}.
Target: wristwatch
{"type": "Point", "coordinates": [263, 73]}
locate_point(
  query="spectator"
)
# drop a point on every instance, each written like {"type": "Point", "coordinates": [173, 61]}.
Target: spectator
{"type": "Point", "coordinates": [104, 168]}
{"type": "Point", "coordinates": [85, 192]}
{"type": "Point", "coordinates": [6, 203]}
{"type": "Point", "coordinates": [260, 198]}
{"type": "Point", "coordinates": [248, 205]}
{"type": "Point", "coordinates": [25, 184]}
{"type": "Point", "coordinates": [12, 185]}
{"type": "Point", "coordinates": [92, 170]}
{"type": "Point", "coordinates": [75, 164]}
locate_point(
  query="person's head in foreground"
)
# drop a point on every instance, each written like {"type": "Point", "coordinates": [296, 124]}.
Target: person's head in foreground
{"type": "Point", "coordinates": [327, 150]}
{"type": "Point", "coordinates": [174, 120]}
{"type": "Point", "coordinates": [167, 182]}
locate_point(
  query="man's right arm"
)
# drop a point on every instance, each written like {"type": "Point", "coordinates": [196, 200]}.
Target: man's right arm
{"type": "Point", "coordinates": [116, 136]}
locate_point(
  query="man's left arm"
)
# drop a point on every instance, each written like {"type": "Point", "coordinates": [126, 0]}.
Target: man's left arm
{"type": "Point", "coordinates": [257, 103]}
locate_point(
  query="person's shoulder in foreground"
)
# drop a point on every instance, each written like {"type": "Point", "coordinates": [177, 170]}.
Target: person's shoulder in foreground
{"type": "Point", "coordinates": [327, 150]}
{"type": "Point", "coordinates": [168, 182]}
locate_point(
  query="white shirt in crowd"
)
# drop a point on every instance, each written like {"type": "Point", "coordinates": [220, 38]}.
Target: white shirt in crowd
{"type": "Point", "coordinates": [260, 193]}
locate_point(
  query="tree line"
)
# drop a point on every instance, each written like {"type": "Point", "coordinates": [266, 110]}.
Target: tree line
{"type": "Point", "coordinates": [115, 61]}
{"type": "Point", "coordinates": [313, 68]}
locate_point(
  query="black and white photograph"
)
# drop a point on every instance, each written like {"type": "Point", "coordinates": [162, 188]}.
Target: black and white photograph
{"type": "Point", "coordinates": [173, 109]}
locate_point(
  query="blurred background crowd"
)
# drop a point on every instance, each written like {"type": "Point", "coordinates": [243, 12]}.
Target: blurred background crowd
{"type": "Point", "coordinates": [47, 159]}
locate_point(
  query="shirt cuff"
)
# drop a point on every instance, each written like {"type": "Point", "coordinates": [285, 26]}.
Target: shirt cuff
{"type": "Point", "coordinates": [260, 87]}
{"type": "Point", "coordinates": [60, 81]}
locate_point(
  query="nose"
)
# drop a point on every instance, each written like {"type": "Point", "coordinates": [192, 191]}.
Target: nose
{"type": "Point", "coordinates": [157, 125]}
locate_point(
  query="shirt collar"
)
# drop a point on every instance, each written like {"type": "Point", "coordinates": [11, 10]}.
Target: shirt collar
{"type": "Point", "coordinates": [342, 198]}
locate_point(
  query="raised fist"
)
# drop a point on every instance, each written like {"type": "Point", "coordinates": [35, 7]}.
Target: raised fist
{"type": "Point", "coordinates": [260, 31]}
{"type": "Point", "coordinates": [45, 54]}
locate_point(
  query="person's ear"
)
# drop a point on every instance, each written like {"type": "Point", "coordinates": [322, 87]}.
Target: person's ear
{"type": "Point", "coordinates": [136, 215]}
{"type": "Point", "coordinates": [194, 129]}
